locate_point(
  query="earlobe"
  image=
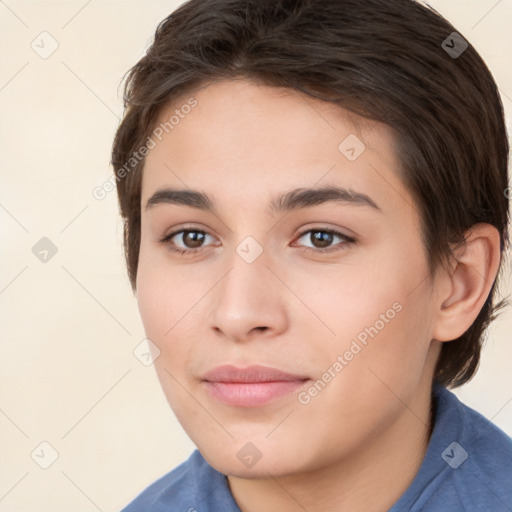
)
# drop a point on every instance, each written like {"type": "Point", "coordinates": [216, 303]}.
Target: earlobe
{"type": "Point", "coordinates": [473, 273]}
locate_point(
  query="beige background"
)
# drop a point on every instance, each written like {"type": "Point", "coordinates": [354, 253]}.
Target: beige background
{"type": "Point", "coordinates": [69, 326]}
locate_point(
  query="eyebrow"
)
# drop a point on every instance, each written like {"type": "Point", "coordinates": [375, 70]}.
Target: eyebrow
{"type": "Point", "coordinates": [292, 200]}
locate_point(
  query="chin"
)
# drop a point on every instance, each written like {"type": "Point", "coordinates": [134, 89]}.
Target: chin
{"type": "Point", "coordinates": [257, 458]}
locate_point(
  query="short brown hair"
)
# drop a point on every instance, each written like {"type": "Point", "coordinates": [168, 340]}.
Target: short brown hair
{"type": "Point", "coordinates": [388, 60]}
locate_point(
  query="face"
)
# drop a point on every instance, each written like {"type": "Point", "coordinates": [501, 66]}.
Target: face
{"type": "Point", "coordinates": [288, 323]}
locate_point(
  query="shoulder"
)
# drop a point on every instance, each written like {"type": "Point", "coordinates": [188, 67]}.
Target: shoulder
{"type": "Point", "coordinates": [468, 464]}
{"type": "Point", "coordinates": [184, 488]}
{"type": "Point", "coordinates": [485, 461]}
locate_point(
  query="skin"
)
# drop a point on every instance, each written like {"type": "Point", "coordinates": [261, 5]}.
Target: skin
{"type": "Point", "coordinates": [359, 442]}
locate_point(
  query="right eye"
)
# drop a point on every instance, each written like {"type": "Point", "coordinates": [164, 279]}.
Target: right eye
{"type": "Point", "coordinates": [185, 241]}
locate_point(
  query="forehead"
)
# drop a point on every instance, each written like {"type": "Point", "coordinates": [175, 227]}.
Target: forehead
{"type": "Point", "coordinates": [247, 140]}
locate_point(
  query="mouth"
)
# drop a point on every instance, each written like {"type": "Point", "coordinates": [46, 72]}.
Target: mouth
{"type": "Point", "coordinates": [252, 386]}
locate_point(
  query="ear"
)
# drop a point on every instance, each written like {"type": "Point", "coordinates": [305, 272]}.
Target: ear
{"type": "Point", "coordinates": [465, 289]}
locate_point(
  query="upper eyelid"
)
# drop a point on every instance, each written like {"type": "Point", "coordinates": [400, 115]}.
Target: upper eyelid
{"type": "Point", "coordinates": [301, 233]}
{"type": "Point", "coordinates": [174, 233]}
{"type": "Point", "coordinates": [336, 232]}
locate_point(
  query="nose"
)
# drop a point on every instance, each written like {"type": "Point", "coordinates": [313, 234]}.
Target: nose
{"type": "Point", "coordinates": [249, 301]}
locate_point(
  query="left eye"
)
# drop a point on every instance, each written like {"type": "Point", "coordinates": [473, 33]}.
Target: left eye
{"type": "Point", "coordinates": [321, 239]}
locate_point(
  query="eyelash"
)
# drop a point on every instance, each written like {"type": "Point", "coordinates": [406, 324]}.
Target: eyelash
{"type": "Point", "coordinates": [346, 240]}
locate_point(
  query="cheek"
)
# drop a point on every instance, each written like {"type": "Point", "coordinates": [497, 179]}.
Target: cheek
{"type": "Point", "coordinates": [165, 310]}
{"type": "Point", "coordinates": [166, 295]}
{"type": "Point", "coordinates": [155, 304]}
{"type": "Point", "coordinates": [349, 301]}
{"type": "Point", "coordinates": [379, 315]}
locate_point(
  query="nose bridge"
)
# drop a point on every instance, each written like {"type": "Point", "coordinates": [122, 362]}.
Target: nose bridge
{"type": "Point", "coordinates": [249, 276]}
{"type": "Point", "coordinates": [248, 296]}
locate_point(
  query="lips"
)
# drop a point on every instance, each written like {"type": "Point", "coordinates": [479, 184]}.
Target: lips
{"type": "Point", "coordinates": [251, 386]}
{"type": "Point", "coordinates": [255, 373]}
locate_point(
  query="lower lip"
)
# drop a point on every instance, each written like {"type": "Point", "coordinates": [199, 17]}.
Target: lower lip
{"type": "Point", "coordinates": [251, 394]}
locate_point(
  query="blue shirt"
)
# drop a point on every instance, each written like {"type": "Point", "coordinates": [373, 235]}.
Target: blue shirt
{"type": "Point", "coordinates": [467, 468]}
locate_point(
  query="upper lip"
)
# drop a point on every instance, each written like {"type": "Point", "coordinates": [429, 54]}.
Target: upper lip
{"type": "Point", "coordinates": [254, 373]}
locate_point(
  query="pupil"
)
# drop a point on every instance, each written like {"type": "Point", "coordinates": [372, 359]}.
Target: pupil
{"type": "Point", "coordinates": [195, 238]}
{"type": "Point", "coordinates": [323, 238]}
